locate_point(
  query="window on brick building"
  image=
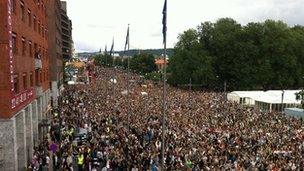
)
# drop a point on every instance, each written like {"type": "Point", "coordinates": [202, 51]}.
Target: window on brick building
{"type": "Point", "coordinates": [45, 32]}
{"type": "Point", "coordinates": [29, 16]}
{"type": "Point", "coordinates": [42, 6]}
{"type": "Point", "coordinates": [39, 27]}
{"type": "Point", "coordinates": [23, 46]}
{"type": "Point", "coordinates": [35, 23]}
{"type": "Point", "coordinates": [31, 79]}
{"type": "Point", "coordinates": [16, 84]}
{"type": "Point", "coordinates": [47, 74]}
{"type": "Point", "coordinates": [40, 76]}
{"type": "Point", "coordinates": [35, 49]}
{"type": "Point", "coordinates": [37, 77]}
{"type": "Point", "coordinates": [15, 49]}
{"type": "Point", "coordinates": [22, 10]}
{"type": "Point", "coordinates": [46, 54]}
{"type": "Point", "coordinates": [24, 76]}
{"type": "Point", "coordinates": [40, 53]}
{"type": "Point", "coordinates": [13, 5]}
{"type": "Point", "coordinates": [30, 49]}
{"type": "Point", "coordinates": [43, 76]}
{"type": "Point", "coordinates": [42, 30]}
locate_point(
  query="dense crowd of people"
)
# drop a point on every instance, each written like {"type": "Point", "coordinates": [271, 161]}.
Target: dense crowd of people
{"type": "Point", "coordinates": [203, 130]}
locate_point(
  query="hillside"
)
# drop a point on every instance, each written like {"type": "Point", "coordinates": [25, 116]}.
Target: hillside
{"type": "Point", "coordinates": [155, 52]}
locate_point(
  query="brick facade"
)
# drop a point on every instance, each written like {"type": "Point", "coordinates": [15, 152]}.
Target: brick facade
{"type": "Point", "coordinates": [23, 30]}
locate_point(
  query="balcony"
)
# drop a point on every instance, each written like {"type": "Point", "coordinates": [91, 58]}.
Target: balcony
{"type": "Point", "coordinates": [39, 91]}
{"type": "Point", "coordinates": [38, 63]}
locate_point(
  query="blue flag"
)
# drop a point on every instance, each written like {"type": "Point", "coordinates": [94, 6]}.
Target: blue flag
{"type": "Point", "coordinates": [165, 22]}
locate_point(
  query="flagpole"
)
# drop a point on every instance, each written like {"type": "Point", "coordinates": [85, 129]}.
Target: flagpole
{"type": "Point", "coordinates": [128, 78]}
{"type": "Point", "coordinates": [164, 106]}
{"type": "Point", "coordinates": [127, 46]}
{"type": "Point", "coordinates": [164, 86]}
{"type": "Point", "coordinates": [114, 75]}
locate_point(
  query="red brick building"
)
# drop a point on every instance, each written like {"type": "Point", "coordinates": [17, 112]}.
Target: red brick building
{"type": "Point", "coordinates": [24, 78]}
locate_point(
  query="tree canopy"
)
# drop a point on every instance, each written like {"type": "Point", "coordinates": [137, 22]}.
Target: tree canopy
{"type": "Point", "coordinates": [267, 55]}
{"type": "Point", "coordinates": [141, 63]}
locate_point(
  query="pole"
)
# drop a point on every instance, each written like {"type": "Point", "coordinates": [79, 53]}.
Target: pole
{"type": "Point", "coordinates": [164, 86]}
{"type": "Point", "coordinates": [60, 124]}
{"type": "Point", "coordinates": [128, 82]}
{"type": "Point", "coordinates": [225, 90]}
{"type": "Point", "coordinates": [114, 75]}
{"type": "Point", "coordinates": [190, 88]}
{"type": "Point", "coordinates": [114, 84]}
{"type": "Point", "coordinates": [164, 107]}
{"type": "Point", "coordinates": [282, 103]}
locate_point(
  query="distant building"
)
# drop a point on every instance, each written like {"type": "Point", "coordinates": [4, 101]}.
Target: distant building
{"type": "Point", "coordinates": [272, 100]}
{"type": "Point", "coordinates": [160, 63]}
{"type": "Point", "coordinates": [66, 28]}
{"type": "Point", "coordinates": [24, 83]}
{"type": "Point", "coordinates": [55, 49]}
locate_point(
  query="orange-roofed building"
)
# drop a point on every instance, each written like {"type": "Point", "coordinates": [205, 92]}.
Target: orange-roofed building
{"type": "Point", "coordinates": [160, 63]}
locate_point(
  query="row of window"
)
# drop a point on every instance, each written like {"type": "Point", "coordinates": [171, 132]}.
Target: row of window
{"type": "Point", "coordinates": [32, 20]}
{"type": "Point", "coordinates": [26, 80]}
{"type": "Point", "coordinates": [27, 45]}
{"type": "Point", "coordinates": [40, 4]}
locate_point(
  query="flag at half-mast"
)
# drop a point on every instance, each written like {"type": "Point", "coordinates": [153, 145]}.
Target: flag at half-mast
{"type": "Point", "coordinates": [165, 22]}
{"type": "Point", "coordinates": [112, 48]}
{"type": "Point", "coordinates": [127, 45]}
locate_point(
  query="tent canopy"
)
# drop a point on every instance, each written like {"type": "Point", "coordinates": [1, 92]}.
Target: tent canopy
{"type": "Point", "coordinates": [271, 96]}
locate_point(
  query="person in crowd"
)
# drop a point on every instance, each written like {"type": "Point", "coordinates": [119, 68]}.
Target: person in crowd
{"type": "Point", "coordinates": [203, 130]}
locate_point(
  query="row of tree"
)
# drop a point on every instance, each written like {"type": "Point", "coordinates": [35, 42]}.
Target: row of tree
{"type": "Point", "coordinates": [140, 63]}
{"type": "Point", "coordinates": [267, 55]}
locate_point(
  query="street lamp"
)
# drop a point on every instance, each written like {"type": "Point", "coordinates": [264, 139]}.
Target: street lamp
{"type": "Point", "coordinates": [283, 92]}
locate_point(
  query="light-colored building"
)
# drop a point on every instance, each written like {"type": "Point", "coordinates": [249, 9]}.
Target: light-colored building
{"type": "Point", "coordinates": [272, 100]}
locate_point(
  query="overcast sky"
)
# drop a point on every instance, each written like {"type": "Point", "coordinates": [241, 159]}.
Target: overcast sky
{"type": "Point", "coordinates": [95, 22]}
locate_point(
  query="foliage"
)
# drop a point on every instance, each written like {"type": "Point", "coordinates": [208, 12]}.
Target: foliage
{"type": "Point", "coordinates": [143, 63]}
{"type": "Point", "coordinates": [103, 60]}
{"type": "Point", "coordinates": [268, 55]}
{"type": "Point", "coordinates": [190, 61]}
{"type": "Point", "coordinates": [300, 96]}
{"type": "Point", "coordinates": [155, 52]}
{"type": "Point", "coordinates": [154, 76]}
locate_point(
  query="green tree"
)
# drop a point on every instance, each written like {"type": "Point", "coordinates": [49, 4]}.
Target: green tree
{"type": "Point", "coordinates": [190, 61]}
{"type": "Point", "coordinates": [300, 96]}
{"type": "Point", "coordinates": [143, 63]}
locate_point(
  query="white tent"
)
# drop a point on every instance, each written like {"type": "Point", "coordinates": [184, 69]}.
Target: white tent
{"type": "Point", "coordinates": [266, 100]}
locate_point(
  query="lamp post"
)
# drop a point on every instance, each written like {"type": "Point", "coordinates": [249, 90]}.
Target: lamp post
{"type": "Point", "coordinates": [282, 103]}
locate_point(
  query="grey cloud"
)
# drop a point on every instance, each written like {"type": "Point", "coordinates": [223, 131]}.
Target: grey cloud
{"type": "Point", "coordinates": [289, 11]}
